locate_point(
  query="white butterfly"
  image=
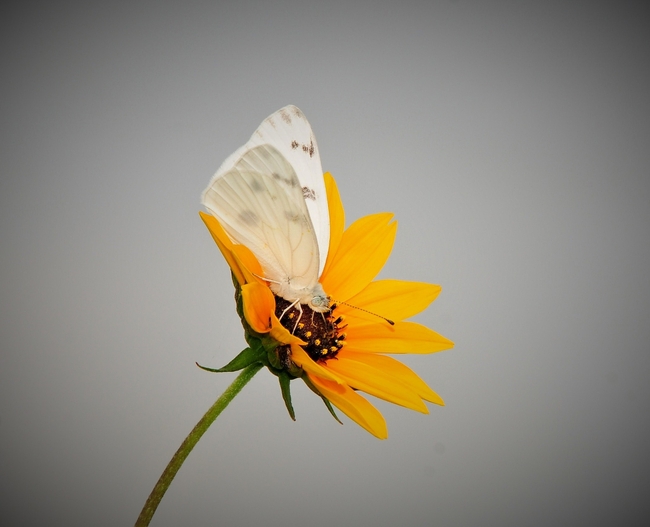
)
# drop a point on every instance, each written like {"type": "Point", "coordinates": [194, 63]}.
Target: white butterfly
{"type": "Point", "coordinates": [269, 195]}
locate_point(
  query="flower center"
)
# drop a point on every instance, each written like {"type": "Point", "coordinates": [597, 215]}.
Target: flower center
{"type": "Point", "coordinates": [319, 330]}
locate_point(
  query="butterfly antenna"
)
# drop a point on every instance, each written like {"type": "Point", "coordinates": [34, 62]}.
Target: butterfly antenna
{"type": "Point", "coordinates": [366, 311]}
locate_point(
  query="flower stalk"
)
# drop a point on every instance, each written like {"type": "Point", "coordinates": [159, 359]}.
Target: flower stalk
{"type": "Point", "coordinates": [190, 441]}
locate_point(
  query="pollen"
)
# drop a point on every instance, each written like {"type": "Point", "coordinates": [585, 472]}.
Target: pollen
{"type": "Point", "coordinates": [319, 330]}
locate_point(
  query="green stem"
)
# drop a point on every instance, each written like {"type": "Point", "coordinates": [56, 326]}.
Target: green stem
{"type": "Point", "coordinates": [192, 439]}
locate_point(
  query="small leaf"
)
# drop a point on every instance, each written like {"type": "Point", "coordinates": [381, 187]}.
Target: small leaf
{"type": "Point", "coordinates": [331, 409]}
{"type": "Point", "coordinates": [245, 358]}
{"type": "Point", "coordinates": [285, 387]}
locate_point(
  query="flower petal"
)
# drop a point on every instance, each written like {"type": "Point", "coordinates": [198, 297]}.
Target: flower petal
{"type": "Point", "coordinates": [376, 381]}
{"type": "Point", "coordinates": [403, 337]}
{"type": "Point", "coordinates": [251, 267]}
{"type": "Point", "coordinates": [337, 218]}
{"type": "Point", "coordinates": [224, 244]}
{"type": "Point", "coordinates": [353, 405]}
{"type": "Point", "coordinates": [240, 259]}
{"type": "Point", "coordinates": [259, 310]}
{"type": "Point", "coordinates": [362, 252]}
{"type": "Point", "coordinates": [259, 306]}
{"type": "Point", "coordinates": [393, 299]}
{"type": "Point", "coordinates": [397, 370]}
{"type": "Point", "coordinates": [300, 357]}
{"type": "Point", "coordinates": [281, 334]}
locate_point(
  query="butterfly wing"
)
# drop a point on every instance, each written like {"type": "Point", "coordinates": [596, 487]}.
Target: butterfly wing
{"type": "Point", "coordinates": [259, 202]}
{"type": "Point", "coordinates": [289, 132]}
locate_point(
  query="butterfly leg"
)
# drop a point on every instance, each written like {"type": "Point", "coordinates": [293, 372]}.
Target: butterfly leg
{"type": "Point", "coordinates": [299, 308]}
{"type": "Point", "coordinates": [299, 317]}
{"type": "Point", "coordinates": [288, 308]}
{"type": "Point", "coordinates": [323, 316]}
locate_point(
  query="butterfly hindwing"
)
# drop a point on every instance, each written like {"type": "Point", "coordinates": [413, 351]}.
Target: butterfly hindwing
{"type": "Point", "coordinates": [260, 204]}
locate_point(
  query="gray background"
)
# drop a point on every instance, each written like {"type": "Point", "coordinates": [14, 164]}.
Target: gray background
{"type": "Point", "coordinates": [509, 138]}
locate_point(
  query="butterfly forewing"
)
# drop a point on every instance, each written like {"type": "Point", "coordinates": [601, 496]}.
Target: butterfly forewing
{"type": "Point", "coordinates": [260, 204]}
{"type": "Point", "coordinates": [289, 132]}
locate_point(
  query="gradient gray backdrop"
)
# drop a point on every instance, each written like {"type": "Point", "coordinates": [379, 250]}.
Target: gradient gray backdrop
{"type": "Point", "coordinates": [511, 141]}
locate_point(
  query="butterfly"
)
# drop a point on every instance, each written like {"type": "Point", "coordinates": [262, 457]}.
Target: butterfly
{"type": "Point", "coordinates": [270, 196]}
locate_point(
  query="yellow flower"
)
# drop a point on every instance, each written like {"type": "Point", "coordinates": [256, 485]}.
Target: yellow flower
{"type": "Point", "coordinates": [343, 351]}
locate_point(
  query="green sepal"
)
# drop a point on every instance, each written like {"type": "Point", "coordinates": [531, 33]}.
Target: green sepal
{"type": "Point", "coordinates": [331, 409]}
{"type": "Point", "coordinates": [313, 388]}
{"type": "Point", "coordinates": [245, 358]}
{"type": "Point", "coordinates": [278, 361]}
{"type": "Point", "coordinates": [274, 362]}
{"type": "Point", "coordinates": [285, 381]}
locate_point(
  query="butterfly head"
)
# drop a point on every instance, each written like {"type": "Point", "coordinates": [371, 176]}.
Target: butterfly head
{"type": "Point", "coordinates": [319, 301]}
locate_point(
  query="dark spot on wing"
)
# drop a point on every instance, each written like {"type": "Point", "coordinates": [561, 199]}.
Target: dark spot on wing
{"type": "Point", "coordinates": [291, 216]}
{"type": "Point", "coordinates": [289, 181]}
{"type": "Point", "coordinates": [294, 144]}
{"type": "Point", "coordinates": [308, 193]}
{"type": "Point", "coordinates": [249, 217]}
{"type": "Point", "coordinates": [285, 116]}
{"type": "Point", "coordinates": [257, 186]}
{"type": "Point", "coordinates": [310, 148]}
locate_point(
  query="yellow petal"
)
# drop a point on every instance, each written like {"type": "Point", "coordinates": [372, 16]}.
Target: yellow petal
{"type": "Point", "coordinates": [259, 305]}
{"type": "Point", "coordinates": [377, 382]}
{"type": "Point", "coordinates": [361, 254]}
{"type": "Point", "coordinates": [259, 311]}
{"type": "Point", "coordinates": [403, 337]}
{"type": "Point", "coordinates": [281, 334]}
{"type": "Point", "coordinates": [224, 244]}
{"type": "Point", "coordinates": [353, 405]}
{"type": "Point", "coordinates": [337, 218]}
{"type": "Point", "coordinates": [302, 359]}
{"type": "Point", "coordinates": [251, 267]}
{"type": "Point", "coordinates": [397, 370]}
{"type": "Point", "coordinates": [393, 299]}
{"type": "Point", "coordinates": [240, 259]}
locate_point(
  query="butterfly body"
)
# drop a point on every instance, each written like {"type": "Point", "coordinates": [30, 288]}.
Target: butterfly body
{"type": "Point", "coordinates": [314, 297]}
{"type": "Point", "coordinates": [269, 195]}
